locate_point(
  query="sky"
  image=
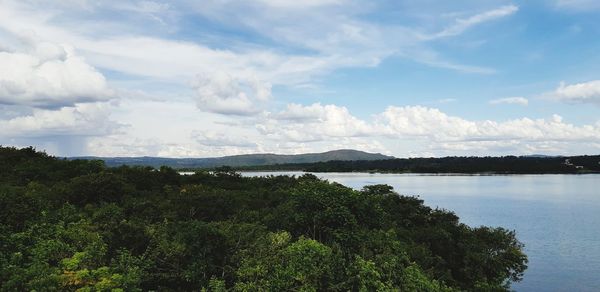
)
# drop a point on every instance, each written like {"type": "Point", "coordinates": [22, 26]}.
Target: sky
{"type": "Point", "coordinates": [212, 78]}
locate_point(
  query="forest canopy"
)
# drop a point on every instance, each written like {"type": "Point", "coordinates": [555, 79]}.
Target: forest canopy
{"type": "Point", "coordinates": [77, 225]}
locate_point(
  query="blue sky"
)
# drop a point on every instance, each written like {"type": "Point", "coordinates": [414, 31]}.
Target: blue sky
{"type": "Point", "coordinates": [212, 78]}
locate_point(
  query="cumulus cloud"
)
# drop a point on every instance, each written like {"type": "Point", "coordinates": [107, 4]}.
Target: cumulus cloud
{"type": "Point", "coordinates": [585, 92]}
{"type": "Point", "coordinates": [423, 122]}
{"type": "Point", "coordinates": [440, 127]}
{"type": "Point", "coordinates": [82, 119]}
{"type": "Point", "coordinates": [224, 94]}
{"type": "Point", "coordinates": [219, 139]}
{"type": "Point", "coordinates": [49, 75]}
{"type": "Point", "coordinates": [300, 112]}
{"type": "Point", "coordinates": [315, 122]}
{"type": "Point", "coordinates": [510, 100]}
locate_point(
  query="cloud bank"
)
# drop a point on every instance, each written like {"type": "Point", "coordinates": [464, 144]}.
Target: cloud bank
{"type": "Point", "coordinates": [439, 131]}
{"type": "Point", "coordinates": [51, 76]}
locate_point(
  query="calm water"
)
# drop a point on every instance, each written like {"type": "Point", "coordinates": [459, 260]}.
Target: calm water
{"type": "Point", "coordinates": [557, 217]}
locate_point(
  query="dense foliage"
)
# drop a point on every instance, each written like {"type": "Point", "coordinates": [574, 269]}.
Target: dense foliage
{"type": "Point", "coordinates": [497, 165]}
{"type": "Point", "coordinates": [79, 226]}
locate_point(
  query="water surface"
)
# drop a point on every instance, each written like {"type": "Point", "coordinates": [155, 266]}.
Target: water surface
{"type": "Point", "coordinates": [557, 217]}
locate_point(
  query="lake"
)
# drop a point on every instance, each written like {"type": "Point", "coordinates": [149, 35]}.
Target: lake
{"type": "Point", "coordinates": [557, 217]}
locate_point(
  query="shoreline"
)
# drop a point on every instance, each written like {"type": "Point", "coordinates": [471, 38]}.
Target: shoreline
{"type": "Point", "coordinates": [188, 172]}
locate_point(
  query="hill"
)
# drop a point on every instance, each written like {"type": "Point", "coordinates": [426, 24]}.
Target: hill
{"type": "Point", "coordinates": [240, 160]}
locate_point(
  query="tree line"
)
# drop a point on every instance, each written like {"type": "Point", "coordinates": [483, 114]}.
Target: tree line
{"type": "Point", "coordinates": [455, 164]}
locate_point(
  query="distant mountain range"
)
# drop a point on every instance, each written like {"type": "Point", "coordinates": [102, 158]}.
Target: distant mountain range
{"type": "Point", "coordinates": [240, 160]}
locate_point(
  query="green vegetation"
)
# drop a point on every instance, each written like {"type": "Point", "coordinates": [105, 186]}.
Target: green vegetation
{"type": "Point", "coordinates": [493, 165]}
{"type": "Point", "coordinates": [80, 226]}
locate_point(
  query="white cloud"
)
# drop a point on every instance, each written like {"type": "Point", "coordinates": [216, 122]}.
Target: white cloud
{"type": "Point", "coordinates": [82, 119]}
{"type": "Point", "coordinates": [434, 61]}
{"type": "Point", "coordinates": [219, 139]}
{"type": "Point", "coordinates": [462, 24]}
{"type": "Point", "coordinates": [50, 75]}
{"type": "Point", "coordinates": [300, 112]}
{"type": "Point", "coordinates": [510, 100]}
{"type": "Point", "coordinates": [422, 121]}
{"type": "Point", "coordinates": [225, 94]}
{"type": "Point", "coordinates": [439, 127]}
{"type": "Point", "coordinates": [315, 122]}
{"type": "Point", "coordinates": [585, 92]}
